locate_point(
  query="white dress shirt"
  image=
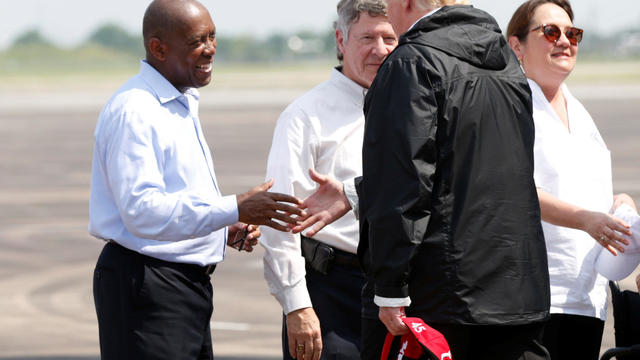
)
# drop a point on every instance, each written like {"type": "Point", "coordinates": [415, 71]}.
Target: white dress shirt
{"type": "Point", "coordinates": [153, 187]}
{"type": "Point", "coordinates": [575, 167]}
{"type": "Point", "coordinates": [323, 130]}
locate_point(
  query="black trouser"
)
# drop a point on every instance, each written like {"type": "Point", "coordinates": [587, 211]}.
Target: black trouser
{"type": "Point", "coordinates": [336, 300]}
{"type": "Point", "coordinates": [573, 337]}
{"type": "Point", "coordinates": [470, 342]}
{"type": "Point", "coordinates": [151, 309]}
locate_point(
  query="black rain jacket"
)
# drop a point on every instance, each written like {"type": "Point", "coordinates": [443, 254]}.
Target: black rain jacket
{"type": "Point", "coordinates": [448, 206]}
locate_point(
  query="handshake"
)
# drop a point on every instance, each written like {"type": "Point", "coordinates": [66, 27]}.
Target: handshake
{"type": "Point", "coordinates": [260, 207]}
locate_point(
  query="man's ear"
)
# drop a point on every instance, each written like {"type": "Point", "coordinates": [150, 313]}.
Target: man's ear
{"type": "Point", "coordinates": [516, 46]}
{"type": "Point", "coordinates": [340, 40]}
{"type": "Point", "coordinates": [158, 49]}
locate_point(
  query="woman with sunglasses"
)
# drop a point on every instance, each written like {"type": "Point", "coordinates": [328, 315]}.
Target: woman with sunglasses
{"type": "Point", "coordinates": [573, 177]}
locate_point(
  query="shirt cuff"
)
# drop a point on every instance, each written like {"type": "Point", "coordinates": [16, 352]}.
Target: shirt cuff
{"type": "Point", "coordinates": [229, 207]}
{"type": "Point", "coordinates": [391, 302]}
{"type": "Point", "coordinates": [350, 192]}
{"type": "Point", "coordinates": [295, 297]}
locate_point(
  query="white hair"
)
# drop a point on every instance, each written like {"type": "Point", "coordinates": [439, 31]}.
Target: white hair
{"type": "Point", "coordinates": [432, 4]}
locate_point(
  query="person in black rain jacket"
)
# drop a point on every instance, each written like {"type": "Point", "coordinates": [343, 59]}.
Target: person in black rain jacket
{"type": "Point", "coordinates": [450, 219]}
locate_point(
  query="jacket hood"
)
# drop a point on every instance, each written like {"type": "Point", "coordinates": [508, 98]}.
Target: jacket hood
{"type": "Point", "coordinates": [464, 32]}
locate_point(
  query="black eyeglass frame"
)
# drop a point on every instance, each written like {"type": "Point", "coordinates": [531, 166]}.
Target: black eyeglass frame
{"type": "Point", "coordinates": [242, 239]}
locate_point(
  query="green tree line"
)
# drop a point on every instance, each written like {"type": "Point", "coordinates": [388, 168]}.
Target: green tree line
{"type": "Point", "coordinates": [110, 47]}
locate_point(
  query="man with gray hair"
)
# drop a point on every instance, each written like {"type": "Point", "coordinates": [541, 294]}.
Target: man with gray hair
{"type": "Point", "coordinates": [318, 281]}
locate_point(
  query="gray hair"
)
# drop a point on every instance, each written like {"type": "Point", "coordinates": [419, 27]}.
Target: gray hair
{"type": "Point", "coordinates": [349, 13]}
{"type": "Point", "coordinates": [432, 4]}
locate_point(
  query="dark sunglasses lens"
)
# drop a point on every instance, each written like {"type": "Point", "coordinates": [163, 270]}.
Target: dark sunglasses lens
{"type": "Point", "coordinates": [574, 35]}
{"type": "Point", "coordinates": [571, 36]}
{"type": "Point", "coordinates": [551, 32]}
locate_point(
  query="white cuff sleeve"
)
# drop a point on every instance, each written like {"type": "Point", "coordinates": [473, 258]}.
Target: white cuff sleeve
{"type": "Point", "coordinates": [391, 302]}
{"type": "Point", "coordinates": [350, 192]}
{"type": "Point", "coordinates": [227, 210]}
{"type": "Point", "coordinates": [294, 298]}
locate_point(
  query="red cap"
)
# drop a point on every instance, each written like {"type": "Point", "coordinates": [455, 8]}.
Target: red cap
{"type": "Point", "coordinates": [423, 342]}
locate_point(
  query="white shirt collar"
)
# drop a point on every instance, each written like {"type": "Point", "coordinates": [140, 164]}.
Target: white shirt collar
{"type": "Point", "coordinates": [426, 15]}
{"type": "Point", "coordinates": [541, 101]}
{"type": "Point", "coordinates": [349, 85]}
{"type": "Point", "coordinates": [163, 89]}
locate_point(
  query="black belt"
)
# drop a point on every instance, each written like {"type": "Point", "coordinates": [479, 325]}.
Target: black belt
{"type": "Point", "coordinates": [320, 256]}
{"type": "Point", "coordinates": [207, 269]}
{"type": "Point", "coordinates": [346, 259]}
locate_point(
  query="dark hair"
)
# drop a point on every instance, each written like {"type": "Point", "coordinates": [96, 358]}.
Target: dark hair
{"type": "Point", "coordinates": [521, 19]}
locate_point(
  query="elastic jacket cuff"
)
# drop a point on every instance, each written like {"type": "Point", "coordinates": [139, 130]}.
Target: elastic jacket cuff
{"type": "Point", "coordinates": [391, 302]}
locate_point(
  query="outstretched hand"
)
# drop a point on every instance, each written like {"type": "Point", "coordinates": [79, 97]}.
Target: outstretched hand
{"type": "Point", "coordinates": [259, 207]}
{"type": "Point", "coordinates": [326, 205]}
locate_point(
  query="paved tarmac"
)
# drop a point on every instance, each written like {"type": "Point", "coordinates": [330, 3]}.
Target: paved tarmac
{"type": "Point", "coordinates": [47, 257]}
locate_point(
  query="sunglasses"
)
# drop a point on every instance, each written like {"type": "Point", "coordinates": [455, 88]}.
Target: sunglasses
{"type": "Point", "coordinates": [552, 33]}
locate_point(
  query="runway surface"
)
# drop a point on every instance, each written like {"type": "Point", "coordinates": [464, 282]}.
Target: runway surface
{"type": "Point", "coordinates": [47, 256]}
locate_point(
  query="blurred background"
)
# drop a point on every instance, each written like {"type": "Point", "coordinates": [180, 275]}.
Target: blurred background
{"type": "Point", "coordinates": [61, 60]}
{"type": "Point", "coordinates": [38, 37]}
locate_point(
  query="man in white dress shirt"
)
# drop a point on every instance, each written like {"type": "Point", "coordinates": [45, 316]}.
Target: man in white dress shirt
{"type": "Point", "coordinates": [318, 281]}
{"type": "Point", "coordinates": [156, 202]}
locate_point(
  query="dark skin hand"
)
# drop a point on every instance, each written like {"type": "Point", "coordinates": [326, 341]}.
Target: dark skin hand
{"type": "Point", "coordinates": [259, 207]}
{"type": "Point", "coordinates": [243, 237]}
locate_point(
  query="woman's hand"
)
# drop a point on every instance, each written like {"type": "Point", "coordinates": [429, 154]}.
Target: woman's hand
{"type": "Point", "coordinates": [607, 230]}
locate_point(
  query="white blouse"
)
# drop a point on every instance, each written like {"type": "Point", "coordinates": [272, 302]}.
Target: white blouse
{"type": "Point", "coordinates": [575, 167]}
